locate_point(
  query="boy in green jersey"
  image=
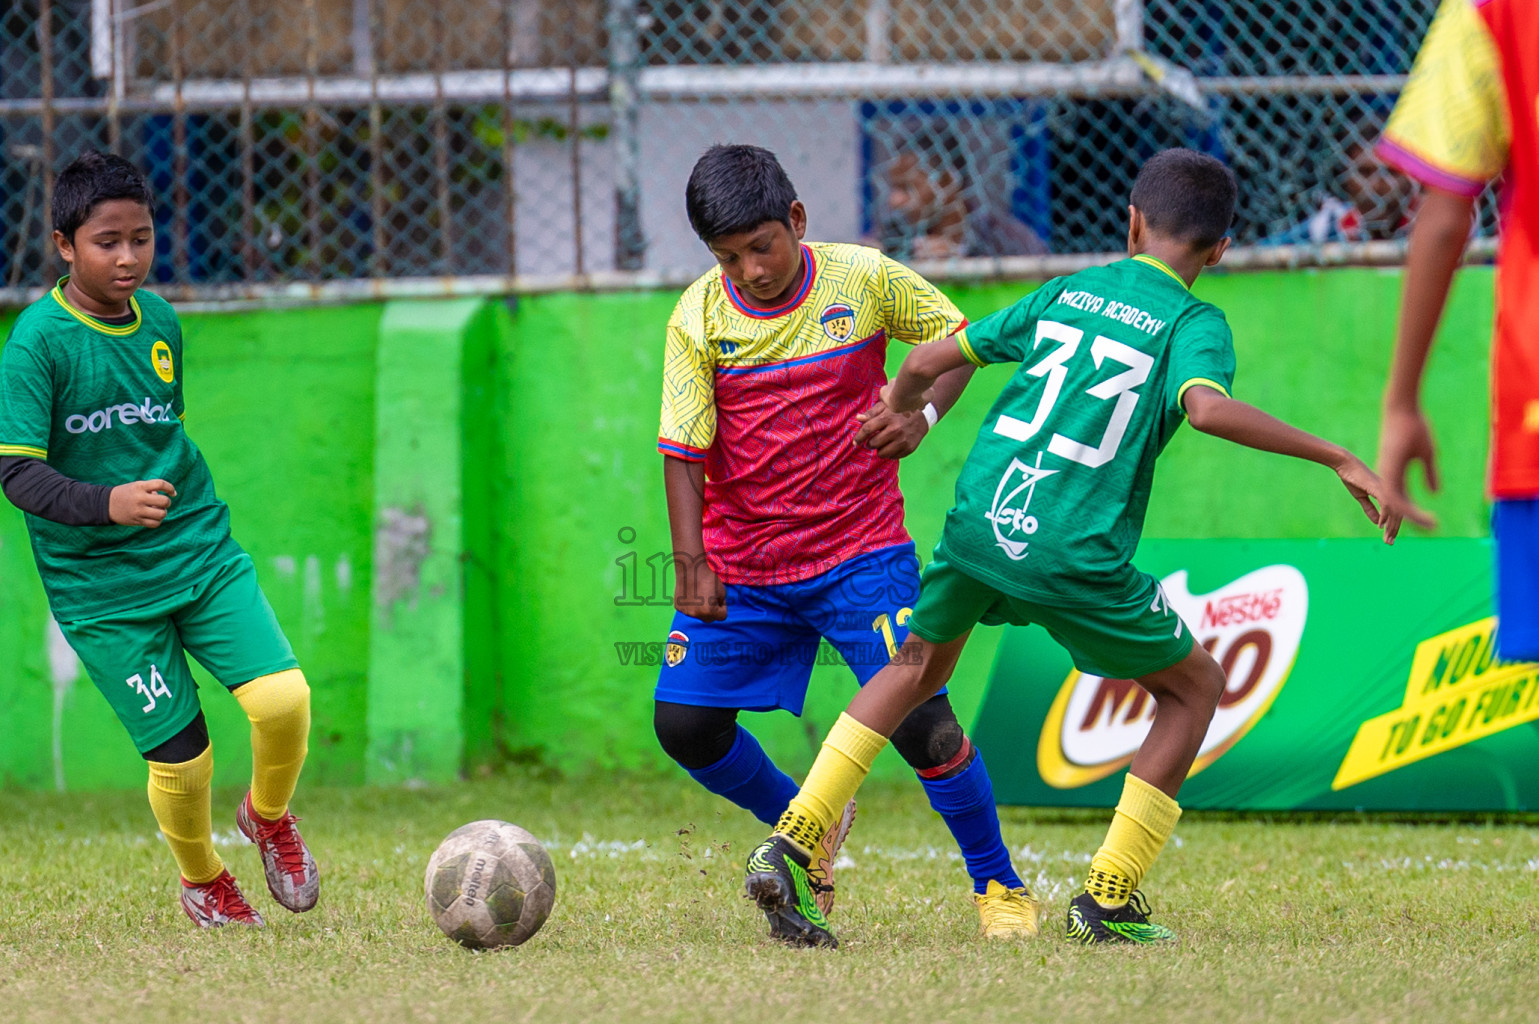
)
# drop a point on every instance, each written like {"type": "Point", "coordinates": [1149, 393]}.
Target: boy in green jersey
{"type": "Point", "coordinates": [1049, 507]}
{"type": "Point", "coordinates": [134, 547]}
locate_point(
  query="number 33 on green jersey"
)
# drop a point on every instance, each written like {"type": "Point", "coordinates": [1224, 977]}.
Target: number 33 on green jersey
{"type": "Point", "coordinates": [1051, 501]}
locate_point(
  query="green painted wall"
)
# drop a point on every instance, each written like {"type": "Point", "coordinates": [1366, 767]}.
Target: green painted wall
{"type": "Point", "coordinates": [1313, 347]}
{"type": "Point", "coordinates": [559, 496]}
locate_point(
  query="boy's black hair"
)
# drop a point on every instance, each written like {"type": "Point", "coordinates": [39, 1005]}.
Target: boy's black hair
{"type": "Point", "coordinates": [737, 188]}
{"type": "Point", "coordinates": [94, 178]}
{"type": "Point", "coordinates": [1186, 196]}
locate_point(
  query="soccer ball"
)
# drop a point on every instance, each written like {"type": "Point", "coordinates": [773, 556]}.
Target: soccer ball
{"type": "Point", "coordinates": [490, 884]}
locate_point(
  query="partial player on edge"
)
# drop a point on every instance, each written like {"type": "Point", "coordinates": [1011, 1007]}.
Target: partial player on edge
{"type": "Point", "coordinates": [1468, 114]}
{"type": "Point", "coordinates": [1049, 508]}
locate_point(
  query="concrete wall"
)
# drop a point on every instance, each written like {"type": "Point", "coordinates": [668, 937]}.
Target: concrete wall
{"type": "Point", "coordinates": [441, 499]}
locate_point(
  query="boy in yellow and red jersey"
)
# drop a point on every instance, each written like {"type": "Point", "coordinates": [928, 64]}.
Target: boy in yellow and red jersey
{"type": "Point", "coordinates": [785, 512]}
{"type": "Point", "coordinates": [1470, 113]}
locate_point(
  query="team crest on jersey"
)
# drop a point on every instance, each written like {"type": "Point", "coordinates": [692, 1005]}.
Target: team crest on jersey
{"type": "Point", "coordinates": [838, 321]}
{"type": "Point", "coordinates": [160, 356]}
{"type": "Point", "coordinates": [678, 646]}
{"type": "Point", "coordinates": [1012, 521]}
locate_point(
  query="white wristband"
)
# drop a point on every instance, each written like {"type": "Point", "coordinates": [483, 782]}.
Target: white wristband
{"type": "Point", "coordinates": [930, 415]}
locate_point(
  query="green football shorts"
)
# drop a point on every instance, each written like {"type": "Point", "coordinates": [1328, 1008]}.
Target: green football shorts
{"type": "Point", "coordinates": [138, 658]}
{"type": "Point", "coordinates": [1131, 635]}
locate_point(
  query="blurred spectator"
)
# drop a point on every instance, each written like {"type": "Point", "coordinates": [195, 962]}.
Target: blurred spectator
{"type": "Point", "coordinates": [935, 209]}
{"type": "Point", "coordinates": [1379, 204]}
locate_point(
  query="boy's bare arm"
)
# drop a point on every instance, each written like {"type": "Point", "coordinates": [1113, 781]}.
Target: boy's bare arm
{"type": "Point", "coordinates": [949, 387]}
{"type": "Point", "coordinates": [926, 364]}
{"type": "Point", "coordinates": [1213, 413]}
{"type": "Point", "coordinates": [1437, 244]}
{"type": "Point", "coordinates": [697, 590]}
{"type": "Point", "coordinates": [894, 435]}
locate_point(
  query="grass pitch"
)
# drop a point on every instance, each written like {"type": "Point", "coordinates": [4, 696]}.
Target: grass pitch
{"type": "Point", "coordinates": [1353, 919]}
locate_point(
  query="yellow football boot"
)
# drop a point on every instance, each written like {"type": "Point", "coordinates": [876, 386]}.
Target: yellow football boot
{"type": "Point", "coordinates": [1008, 913]}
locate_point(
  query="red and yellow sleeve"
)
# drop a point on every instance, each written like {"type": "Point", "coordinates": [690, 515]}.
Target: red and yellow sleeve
{"type": "Point", "coordinates": [1449, 129]}
{"type": "Point", "coordinates": [913, 309]}
{"type": "Point", "coordinates": [689, 390]}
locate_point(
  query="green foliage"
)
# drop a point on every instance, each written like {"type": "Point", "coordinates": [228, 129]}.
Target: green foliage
{"type": "Point", "coordinates": [1351, 919]}
{"type": "Point", "coordinates": [491, 128]}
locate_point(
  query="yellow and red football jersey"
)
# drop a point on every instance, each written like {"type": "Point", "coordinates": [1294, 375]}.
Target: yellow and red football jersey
{"type": "Point", "coordinates": [767, 399]}
{"type": "Point", "coordinates": [1468, 114]}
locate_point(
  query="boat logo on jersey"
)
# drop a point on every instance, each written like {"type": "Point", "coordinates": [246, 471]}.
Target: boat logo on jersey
{"type": "Point", "coordinates": [1252, 626]}
{"type": "Point", "coordinates": [1012, 499]}
{"type": "Point", "coordinates": [838, 321]}
{"type": "Point", "coordinates": [678, 646]}
{"type": "Point", "coordinates": [160, 356]}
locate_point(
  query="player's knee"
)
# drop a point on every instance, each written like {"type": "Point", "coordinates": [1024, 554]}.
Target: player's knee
{"type": "Point", "coordinates": [1209, 683]}
{"type": "Point", "coordinates": [926, 666]}
{"type": "Point", "coordinates": [1195, 683]}
{"type": "Point", "coordinates": [187, 744]}
{"type": "Point", "coordinates": [695, 737]}
{"type": "Point", "coordinates": [280, 696]}
{"type": "Point", "coordinates": [930, 736]}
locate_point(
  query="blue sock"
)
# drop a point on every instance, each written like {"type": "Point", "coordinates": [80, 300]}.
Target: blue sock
{"type": "Point", "coordinates": [966, 802]}
{"type": "Point", "coordinates": [748, 778]}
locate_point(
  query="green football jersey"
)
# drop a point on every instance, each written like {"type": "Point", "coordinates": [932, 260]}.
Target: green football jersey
{"type": "Point", "coordinates": [103, 404]}
{"type": "Point", "coordinates": [1051, 500]}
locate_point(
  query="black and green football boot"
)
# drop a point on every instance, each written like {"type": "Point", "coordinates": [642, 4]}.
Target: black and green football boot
{"type": "Point", "coordinates": [777, 881]}
{"type": "Point", "coordinates": [1090, 923]}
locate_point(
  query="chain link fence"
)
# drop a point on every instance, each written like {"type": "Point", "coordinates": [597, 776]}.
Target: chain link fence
{"type": "Point", "coordinates": [353, 147]}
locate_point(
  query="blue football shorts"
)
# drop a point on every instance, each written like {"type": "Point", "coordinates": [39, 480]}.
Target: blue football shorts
{"type": "Point", "coordinates": [1515, 525]}
{"type": "Point", "coordinates": [760, 657]}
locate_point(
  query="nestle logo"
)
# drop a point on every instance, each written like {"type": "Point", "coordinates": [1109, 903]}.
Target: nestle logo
{"type": "Point", "coordinates": [1237, 609]}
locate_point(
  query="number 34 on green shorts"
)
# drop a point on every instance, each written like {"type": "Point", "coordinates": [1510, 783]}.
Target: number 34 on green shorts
{"type": "Point", "coordinates": [1135, 632]}
{"type": "Point", "coordinates": [138, 657]}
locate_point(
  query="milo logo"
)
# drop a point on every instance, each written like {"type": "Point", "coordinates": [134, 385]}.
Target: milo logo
{"type": "Point", "coordinates": [1252, 627]}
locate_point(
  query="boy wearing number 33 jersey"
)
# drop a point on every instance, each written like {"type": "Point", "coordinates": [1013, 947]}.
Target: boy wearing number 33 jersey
{"type": "Point", "coordinates": [1049, 507]}
{"type": "Point", "coordinates": [134, 547]}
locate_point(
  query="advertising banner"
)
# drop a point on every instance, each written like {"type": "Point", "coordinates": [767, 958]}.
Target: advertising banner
{"type": "Point", "coordinates": [1361, 676]}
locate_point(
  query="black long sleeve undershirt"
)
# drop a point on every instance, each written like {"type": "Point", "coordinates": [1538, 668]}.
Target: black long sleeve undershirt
{"type": "Point", "coordinates": [36, 487]}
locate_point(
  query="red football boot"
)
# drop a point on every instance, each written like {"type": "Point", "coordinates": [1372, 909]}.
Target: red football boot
{"type": "Point", "coordinates": [217, 903]}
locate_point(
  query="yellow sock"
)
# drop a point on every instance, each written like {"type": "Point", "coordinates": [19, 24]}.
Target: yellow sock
{"type": "Point", "coordinates": [279, 708]}
{"type": "Point", "coordinates": [840, 768]}
{"type": "Point", "coordinates": [1139, 830]}
{"type": "Point", "coordinates": [180, 799]}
